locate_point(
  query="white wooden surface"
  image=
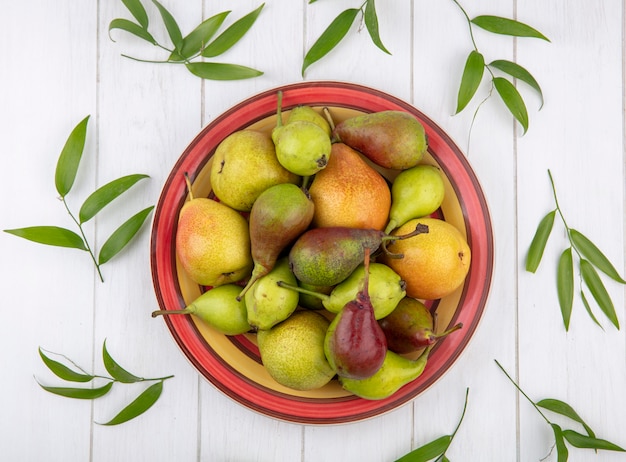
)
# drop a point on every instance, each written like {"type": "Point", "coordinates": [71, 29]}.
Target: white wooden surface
{"type": "Point", "coordinates": [59, 65]}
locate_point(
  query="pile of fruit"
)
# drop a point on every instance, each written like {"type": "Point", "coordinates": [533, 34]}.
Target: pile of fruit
{"type": "Point", "coordinates": [329, 262]}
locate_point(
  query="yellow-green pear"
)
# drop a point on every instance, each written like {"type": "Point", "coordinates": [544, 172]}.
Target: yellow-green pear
{"type": "Point", "coordinates": [218, 308]}
{"type": "Point", "coordinates": [245, 165]}
{"type": "Point", "coordinates": [267, 303]}
{"type": "Point", "coordinates": [395, 372]}
{"type": "Point", "coordinates": [293, 351]}
{"type": "Point", "coordinates": [415, 193]}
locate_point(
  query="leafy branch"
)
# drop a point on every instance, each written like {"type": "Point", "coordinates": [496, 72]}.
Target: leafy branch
{"type": "Point", "coordinates": [437, 448]}
{"type": "Point", "coordinates": [66, 170]}
{"type": "Point", "coordinates": [74, 373]}
{"type": "Point", "coordinates": [338, 29]}
{"type": "Point", "coordinates": [475, 67]}
{"type": "Point", "coordinates": [574, 438]}
{"type": "Point", "coordinates": [191, 49]}
{"type": "Point", "coordinates": [590, 260]}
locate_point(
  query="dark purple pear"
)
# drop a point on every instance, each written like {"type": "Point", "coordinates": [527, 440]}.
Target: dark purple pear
{"type": "Point", "coordinates": [355, 345]}
{"type": "Point", "coordinates": [327, 256]}
{"type": "Point", "coordinates": [278, 216]}
{"type": "Point", "coordinates": [410, 327]}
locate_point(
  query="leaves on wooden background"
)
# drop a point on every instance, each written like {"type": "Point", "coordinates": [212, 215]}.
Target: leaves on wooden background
{"type": "Point", "coordinates": [563, 436]}
{"type": "Point", "coordinates": [70, 372]}
{"type": "Point", "coordinates": [590, 260]}
{"type": "Point", "coordinates": [192, 49]}
{"type": "Point", "coordinates": [65, 175]}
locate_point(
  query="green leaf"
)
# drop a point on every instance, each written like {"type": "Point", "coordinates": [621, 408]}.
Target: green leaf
{"type": "Point", "coordinates": [117, 372]}
{"type": "Point", "coordinates": [122, 235]}
{"type": "Point", "coordinates": [518, 72]}
{"type": "Point", "coordinates": [222, 71]}
{"type": "Point", "coordinates": [232, 34]}
{"type": "Point", "coordinates": [428, 451]}
{"type": "Point", "coordinates": [131, 27]}
{"type": "Point", "coordinates": [50, 235]}
{"type": "Point", "coordinates": [79, 393]}
{"type": "Point", "coordinates": [198, 38]}
{"type": "Point", "coordinates": [139, 405]}
{"type": "Point", "coordinates": [588, 309]}
{"type": "Point", "coordinates": [371, 23]}
{"type": "Point", "coordinates": [565, 285]}
{"type": "Point", "coordinates": [505, 26]}
{"type": "Point", "coordinates": [106, 194]}
{"type": "Point", "coordinates": [171, 25]}
{"type": "Point", "coordinates": [564, 409]}
{"type": "Point", "coordinates": [513, 100]}
{"type": "Point", "coordinates": [472, 76]}
{"type": "Point", "coordinates": [589, 250]}
{"type": "Point", "coordinates": [561, 449]}
{"type": "Point", "coordinates": [579, 440]}
{"type": "Point", "coordinates": [538, 244]}
{"type": "Point", "coordinates": [62, 371]}
{"type": "Point", "coordinates": [598, 291]}
{"type": "Point", "coordinates": [331, 37]}
{"type": "Point", "coordinates": [138, 11]}
{"type": "Point", "coordinates": [69, 159]}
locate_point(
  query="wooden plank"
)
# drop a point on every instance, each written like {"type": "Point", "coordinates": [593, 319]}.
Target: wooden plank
{"type": "Point", "coordinates": [578, 135]}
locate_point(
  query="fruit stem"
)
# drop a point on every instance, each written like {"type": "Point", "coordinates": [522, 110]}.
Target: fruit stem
{"type": "Point", "coordinates": [393, 224]}
{"type": "Point", "coordinates": [366, 265]}
{"type": "Point", "coordinates": [257, 273]}
{"type": "Point", "coordinates": [156, 313]}
{"type": "Point", "coordinates": [319, 295]}
{"type": "Point", "coordinates": [279, 113]}
{"type": "Point", "coordinates": [188, 182]}
{"type": "Point", "coordinates": [329, 118]}
{"type": "Point", "coordinates": [449, 331]}
{"type": "Point", "coordinates": [420, 228]}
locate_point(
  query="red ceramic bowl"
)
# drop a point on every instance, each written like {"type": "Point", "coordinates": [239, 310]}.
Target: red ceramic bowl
{"type": "Point", "coordinates": [233, 364]}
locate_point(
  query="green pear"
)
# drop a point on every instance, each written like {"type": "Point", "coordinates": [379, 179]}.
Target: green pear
{"type": "Point", "coordinates": [309, 114]}
{"type": "Point", "coordinates": [415, 193]}
{"type": "Point", "coordinates": [392, 139]}
{"type": "Point", "coordinates": [395, 372]}
{"type": "Point", "coordinates": [267, 304]}
{"type": "Point", "coordinates": [386, 290]}
{"type": "Point", "coordinates": [302, 146]}
{"type": "Point", "coordinates": [244, 165]}
{"type": "Point", "coordinates": [293, 351]}
{"type": "Point", "coordinates": [212, 242]}
{"type": "Point", "coordinates": [218, 308]}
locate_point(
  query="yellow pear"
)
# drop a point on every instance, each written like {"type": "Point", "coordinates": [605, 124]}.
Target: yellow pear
{"type": "Point", "coordinates": [245, 165]}
{"type": "Point", "coordinates": [213, 242]}
{"type": "Point", "coordinates": [350, 193]}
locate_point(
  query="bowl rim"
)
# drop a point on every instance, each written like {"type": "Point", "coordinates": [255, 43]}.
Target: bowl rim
{"type": "Point", "coordinates": [217, 371]}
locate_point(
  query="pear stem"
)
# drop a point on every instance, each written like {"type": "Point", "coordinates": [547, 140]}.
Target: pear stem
{"type": "Point", "coordinates": [393, 224]}
{"type": "Point", "coordinates": [420, 228]}
{"type": "Point", "coordinates": [257, 273]}
{"type": "Point", "coordinates": [188, 181]}
{"type": "Point", "coordinates": [319, 295]}
{"type": "Point", "coordinates": [279, 113]}
{"type": "Point", "coordinates": [187, 310]}
{"type": "Point", "coordinates": [329, 118]}
{"type": "Point", "coordinates": [449, 331]}
{"type": "Point", "coordinates": [366, 265]}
